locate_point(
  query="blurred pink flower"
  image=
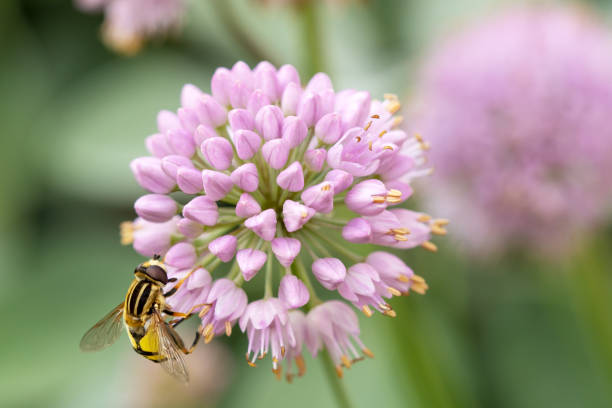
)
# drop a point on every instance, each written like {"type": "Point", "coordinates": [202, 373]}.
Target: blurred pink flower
{"type": "Point", "coordinates": [129, 23]}
{"type": "Point", "coordinates": [518, 109]}
{"type": "Point", "coordinates": [252, 194]}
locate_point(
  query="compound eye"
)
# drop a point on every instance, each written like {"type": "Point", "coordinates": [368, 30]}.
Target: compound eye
{"type": "Point", "coordinates": [140, 268]}
{"type": "Point", "coordinates": [158, 273]}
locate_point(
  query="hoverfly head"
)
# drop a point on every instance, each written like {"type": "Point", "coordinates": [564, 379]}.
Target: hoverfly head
{"type": "Point", "coordinates": [157, 273]}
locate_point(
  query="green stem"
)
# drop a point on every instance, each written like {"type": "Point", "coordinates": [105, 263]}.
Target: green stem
{"type": "Point", "coordinates": [269, 269]}
{"type": "Point", "coordinates": [344, 251]}
{"type": "Point", "coordinates": [225, 12]}
{"type": "Point", "coordinates": [337, 386]}
{"type": "Point", "coordinates": [300, 272]}
{"type": "Point", "coordinates": [311, 38]}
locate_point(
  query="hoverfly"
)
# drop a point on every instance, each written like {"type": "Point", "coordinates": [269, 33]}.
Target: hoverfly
{"type": "Point", "coordinates": [142, 315]}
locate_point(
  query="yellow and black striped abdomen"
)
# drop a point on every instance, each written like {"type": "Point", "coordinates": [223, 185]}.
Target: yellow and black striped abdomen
{"type": "Point", "coordinates": [140, 297]}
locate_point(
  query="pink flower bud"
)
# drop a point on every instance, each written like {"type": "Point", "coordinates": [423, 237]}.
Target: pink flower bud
{"type": "Point", "coordinates": [294, 131]}
{"type": "Point", "coordinates": [293, 292]}
{"type": "Point", "coordinates": [319, 83]}
{"type": "Point", "coordinates": [189, 119]}
{"type": "Point", "coordinates": [247, 206]}
{"type": "Point", "coordinates": [329, 128]}
{"type": "Point", "coordinates": [340, 179]}
{"type": "Point", "coordinates": [189, 228]}
{"type": "Point", "coordinates": [355, 109]}
{"type": "Point", "coordinates": [292, 178]}
{"type": "Point", "coordinates": [181, 256]}
{"type": "Point", "coordinates": [357, 230]}
{"type": "Point", "coordinates": [218, 152]}
{"type": "Point", "coordinates": [256, 101]}
{"type": "Point", "coordinates": [209, 111]}
{"type": "Point", "coordinates": [239, 94]}
{"type": "Point", "coordinates": [242, 72]}
{"type": "Point", "coordinates": [189, 180]}
{"type": "Point", "coordinates": [190, 94]}
{"type": "Point", "coordinates": [308, 108]}
{"type": "Point", "coordinates": [247, 143]}
{"type": "Point", "coordinates": [155, 207]}
{"type": "Point", "coordinates": [285, 75]}
{"type": "Point", "coordinates": [216, 184]}
{"type": "Point", "coordinates": [181, 142]}
{"type": "Point", "coordinates": [250, 262]}
{"type": "Point", "coordinates": [269, 121]}
{"type": "Point", "coordinates": [246, 177]}
{"type": "Point", "coordinates": [149, 174]}
{"type": "Point", "coordinates": [158, 145]}
{"type": "Point", "coordinates": [223, 247]}
{"type": "Point", "coordinates": [295, 215]}
{"type": "Point", "coordinates": [171, 164]}
{"type": "Point", "coordinates": [330, 272]}
{"type": "Point", "coordinates": [263, 224]}
{"type": "Point", "coordinates": [201, 209]}
{"type": "Point", "coordinates": [286, 249]}
{"type": "Point", "coordinates": [202, 133]}
{"type": "Point", "coordinates": [265, 80]}
{"type": "Point", "coordinates": [220, 85]}
{"type": "Point", "coordinates": [367, 197]}
{"type": "Point", "coordinates": [315, 159]}
{"type": "Point", "coordinates": [167, 120]}
{"type": "Point", "coordinates": [291, 98]}
{"type": "Point", "coordinates": [320, 197]}
{"type": "Point", "coordinates": [276, 153]}
{"type": "Point", "coordinates": [241, 119]}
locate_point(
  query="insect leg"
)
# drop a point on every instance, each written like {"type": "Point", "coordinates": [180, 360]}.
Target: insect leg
{"type": "Point", "coordinates": [183, 316]}
{"type": "Point", "coordinates": [179, 284]}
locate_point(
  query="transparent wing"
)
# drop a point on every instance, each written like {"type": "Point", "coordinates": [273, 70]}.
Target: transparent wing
{"type": "Point", "coordinates": [105, 332]}
{"type": "Point", "coordinates": [170, 347]}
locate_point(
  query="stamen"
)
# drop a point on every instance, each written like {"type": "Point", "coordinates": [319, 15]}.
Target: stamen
{"type": "Point", "coordinates": [430, 246]}
{"type": "Point", "coordinates": [418, 137]}
{"type": "Point", "coordinates": [204, 310]}
{"type": "Point", "coordinates": [375, 116]}
{"type": "Point", "coordinates": [301, 365]}
{"type": "Point", "coordinates": [367, 126]}
{"type": "Point", "coordinates": [346, 361]}
{"type": "Point", "coordinates": [394, 193]}
{"type": "Point", "coordinates": [126, 232]}
{"type": "Point", "coordinates": [441, 222]}
{"type": "Point", "coordinates": [366, 310]}
{"type": "Point", "coordinates": [403, 278]}
{"type": "Point", "coordinates": [283, 351]}
{"type": "Point", "coordinates": [228, 328]}
{"type": "Point", "coordinates": [399, 237]}
{"type": "Point", "coordinates": [278, 372]}
{"type": "Point", "coordinates": [370, 146]}
{"type": "Point", "coordinates": [437, 230]}
{"type": "Point", "coordinates": [262, 356]}
{"type": "Point", "coordinates": [397, 120]}
{"type": "Point", "coordinates": [304, 214]}
{"type": "Point", "coordinates": [390, 313]}
{"type": "Point", "coordinates": [326, 187]}
{"type": "Point", "coordinates": [248, 360]}
{"type": "Point", "coordinates": [419, 285]}
{"type": "Point", "coordinates": [378, 199]}
{"type": "Point", "coordinates": [384, 306]}
{"type": "Point", "coordinates": [382, 133]}
{"type": "Point", "coordinates": [367, 352]}
{"type": "Point", "coordinates": [424, 218]}
{"type": "Point", "coordinates": [358, 139]}
{"type": "Point", "coordinates": [400, 231]}
{"type": "Point", "coordinates": [394, 291]}
{"type": "Point", "coordinates": [339, 371]}
{"type": "Point", "coordinates": [388, 148]}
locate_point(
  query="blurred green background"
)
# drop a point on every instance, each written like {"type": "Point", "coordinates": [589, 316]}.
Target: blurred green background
{"type": "Point", "coordinates": [515, 332]}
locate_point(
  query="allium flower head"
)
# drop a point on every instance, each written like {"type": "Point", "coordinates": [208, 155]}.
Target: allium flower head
{"type": "Point", "coordinates": [256, 174]}
{"type": "Point", "coordinates": [129, 23]}
{"type": "Point", "coordinates": [518, 109]}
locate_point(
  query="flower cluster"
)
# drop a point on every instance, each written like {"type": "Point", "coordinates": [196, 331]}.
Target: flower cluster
{"type": "Point", "coordinates": [129, 23]}
{"type": "Point", "coordinates": [518, 109]}
{"type": "Point", "coordinates": [260, 174]}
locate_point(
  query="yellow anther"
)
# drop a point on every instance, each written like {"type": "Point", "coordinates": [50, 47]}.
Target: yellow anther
{"type": "Point", "coordinates": [437, 230]}
{"type": "Point", "coordinates": [346, 361]}
{"type": "Point", "coordinates": [326, 187]}
{"type": "Point", "coordinates": [441, 222]}
{"type": "Point", "coordinates": [358, 139]}
{"type": "Point", "coordinates": [394, 193]}
{"type": "Point", "coordinates": [423, 218]}
{"type": "Point", "coordinates": [418, 285]}
{"type": "Point", "coordinates": [399, 237]}
{"type": "Point", "coordinates": [381, 134]}
{"type": "Point", "coordinates": [126, 232]}
{"type": "Point", "coordinates": [375, 116]}
{"type": "Point", "coordinates": [390, 313]}
{"type": "Point", "coordinates": [204, 311]}
{"type": "Point", "coordinates": [378, 199]}
{"type": "Point", "coordinates": [274, 360]}
{"type": "Point", "coordinates": [228, 328]}
{"type": "Point", "coordinates": [278, 372]}
{"type": "Point", "coordinates": [430, 246]}
{"type": "Point", "coordinates": [403, 278]}
{"type": "Point", "coordinates": [394, 291]}
{"type": "Point", "coordinates": [402, 231]}
{"type": "Point", "coordinates": [425, 146]}
{"type": "Point", "coordinates": [301, 365]}
{"type": "Point", "coordinates": [208, 330]}
{"type": "Point", "coordinates": [370, 145]}
{"type": "Point", "coordinates": [252, 364]}
{"type": "Point", "coordinates": [367, 352]}
{"type": "Point", "coordinates": [388, 147]}
{"type": "Point", "coordinates": [418, 137]}
{"type": "Point", "coordinates": [367, 126]}
{"type": "Point", "coordinates": [283, 351]}
{"type": "Point", "coordinates": [304, 214]}
{"type": "Point", "coordinates": [393, 107]}
{"type": "Point", "coordinates": [397, 121]}
{"type": "Point", "coordinates": [262, 356]}
{"type": "Point", "coordinates": [366, 310]}
{"type": "Point", "coordinates": [339, 371]}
